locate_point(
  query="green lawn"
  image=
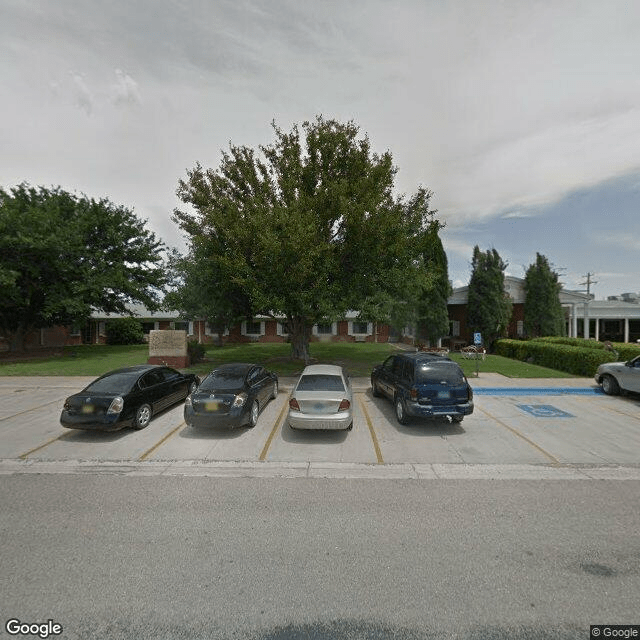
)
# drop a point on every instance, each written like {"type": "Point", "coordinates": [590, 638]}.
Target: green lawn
{"type": "Point", "coordinates": [357, 358]}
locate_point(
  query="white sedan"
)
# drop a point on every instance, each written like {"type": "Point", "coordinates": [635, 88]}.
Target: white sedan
{"type": "Point", "coordinates": [321, 399]}
{"type": "Point", "coordinates": [619, 376]}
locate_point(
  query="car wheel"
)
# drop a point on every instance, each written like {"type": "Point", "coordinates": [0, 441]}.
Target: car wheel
{"type": "Point", "coordinates": [350, 427]}
{"type": "Point", "coordinates": [192, 387]}
{"type": "Point", "coordinates": [274, 393]}
{"type": "Point", "coordinates": [253, 418]}
{"type": "Point", "coordinates": [401, 414]}
{"type": "Point", "coordinates": [374, 389]}
{"type": "Point", "coordinates": [143, 417]}
{"type": "Point", "coordinates": [610, 385]}
{"type": "Point", "coordinates": [457, 419]}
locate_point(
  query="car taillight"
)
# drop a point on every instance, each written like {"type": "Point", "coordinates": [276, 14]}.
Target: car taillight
{"type": "Point", "coordinates": [414, 393]}
{"type": "Point", "coordinates": [344, 405]}
{"type": "Point", "coordinates": [293, 404]}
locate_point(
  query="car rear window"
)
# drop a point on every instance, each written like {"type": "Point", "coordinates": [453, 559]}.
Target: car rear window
{"type": "Point", "coordinates": [116, 383]}
{"type": "Point", "coordinates": [218, 380]}
{"type": "Point", "coordinates": [320, 382]}
{"type": "Point", "coordinates": [434, 374]}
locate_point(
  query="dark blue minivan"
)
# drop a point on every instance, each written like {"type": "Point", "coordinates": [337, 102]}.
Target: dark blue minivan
{"type": "Point", "coordinates": [423, 385]}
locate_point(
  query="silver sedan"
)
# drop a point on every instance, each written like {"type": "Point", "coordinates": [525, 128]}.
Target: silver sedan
{"type": "Point", "coordinates": [616, 377]}
{"type": "Point", "coordinates": [321, 399]}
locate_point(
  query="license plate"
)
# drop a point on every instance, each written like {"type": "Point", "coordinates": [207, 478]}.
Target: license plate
{"type": "Point", "coordinates": [443, 395]}
{"type": "Point", "coordinates": [87, 408]}
{"type": "Point", "coordinates": [211, 405]}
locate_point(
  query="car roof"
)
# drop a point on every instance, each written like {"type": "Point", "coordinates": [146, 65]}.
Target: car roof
{"type": "Point", "coordinates": [239, 368]}
{"type": "Point", "coordinates": [425, 356]}
{"type": "Point", "coordinates": [138, 368]}
{"type": "Point", "coordinates": [326, 369]}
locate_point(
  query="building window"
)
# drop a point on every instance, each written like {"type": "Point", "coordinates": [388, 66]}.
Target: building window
{"type": "Point", "coordinates": [324, 329]}
{"type": "Point", "coordinates": [147, 327]}
{"type": "Point", "coordinates": [454, 328]}
{"type": "Point", "coordinates": [360, 328]}
{"type": "Point", "coordinates": [102, 328]}
{"type": "Point", "coordinates": [520, 327]}
{"type": "Point", "coordinates": [253, 328]}
{"type": "Point", "coordinates": [181, 326]}
{"type": "Point", "coordinates": [75, 330]}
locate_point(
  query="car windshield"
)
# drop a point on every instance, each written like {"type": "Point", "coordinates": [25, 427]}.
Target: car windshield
{"type": "Point", "coordinates": [429, 374]}
{"type": "Point", "coordinates": [320, 382]}
{"type": "Point", "coordinates": [220, 380]}
{"type": "Point", "coordinates": [115, 383]}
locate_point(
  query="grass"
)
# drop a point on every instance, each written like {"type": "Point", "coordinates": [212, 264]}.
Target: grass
{"type": "Point", "coordinates": [357, 358]}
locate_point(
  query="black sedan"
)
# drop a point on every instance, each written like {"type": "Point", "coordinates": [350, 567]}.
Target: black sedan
{"type": "Point", "coordinates": [126, 397]}
{"type": "Point", "coordinates": [231, 396]}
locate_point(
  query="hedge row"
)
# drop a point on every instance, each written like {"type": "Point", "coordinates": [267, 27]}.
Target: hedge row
{"type": "Point", "coordinates": [582, 360]}
{"type": "Point", "coordinates": [624, 350]}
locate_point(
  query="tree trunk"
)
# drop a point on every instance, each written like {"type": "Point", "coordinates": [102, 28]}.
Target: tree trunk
{"type": "Point", "coordinates": [17, 339]}
{"type": "Point", "coordinates": [299, 331]}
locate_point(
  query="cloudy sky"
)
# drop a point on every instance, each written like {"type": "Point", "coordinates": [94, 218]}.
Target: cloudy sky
{"type": "Point", "coordinates": [523, 117]}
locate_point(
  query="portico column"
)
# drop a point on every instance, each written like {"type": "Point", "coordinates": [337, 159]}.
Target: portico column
{"type": "Point", "coordinates": [626, 329]}
{"type": "Point", "coordinates": [597, 328]}
{"type": "Point", "coordinates": [574, 322]}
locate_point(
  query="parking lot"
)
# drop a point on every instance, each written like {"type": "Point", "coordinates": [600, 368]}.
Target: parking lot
{"type": "Point", "coordinates": [520, 428]}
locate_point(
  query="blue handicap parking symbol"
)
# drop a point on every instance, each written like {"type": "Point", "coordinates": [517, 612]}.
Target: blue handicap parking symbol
{"type": "Point", "coordinates": [544, 411]}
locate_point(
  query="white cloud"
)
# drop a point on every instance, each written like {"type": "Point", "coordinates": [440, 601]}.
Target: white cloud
{"type": "Point", "coordinates": [125, 91]}
{"type": "Point", "coordinates": [83, 97]}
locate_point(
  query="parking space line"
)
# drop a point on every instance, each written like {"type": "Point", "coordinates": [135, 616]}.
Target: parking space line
{"type": "Point", "coordinates": [46, 404]}
{"type": "Point", "coordinates": [267, 444]}
{"type": "Point", "coordinates": [158, 444]}
{"type": "Point", "coordinates": [553, 459]}
{"type": "Point", "coordinates": [23, 456]}
{"type": "Point", "coordinates": [372, 432]}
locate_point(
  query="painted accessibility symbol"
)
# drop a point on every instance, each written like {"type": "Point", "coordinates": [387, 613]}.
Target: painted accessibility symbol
{"type": "Point", "coordinates": [544, 411]}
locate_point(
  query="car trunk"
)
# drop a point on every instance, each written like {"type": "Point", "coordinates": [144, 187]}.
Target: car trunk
{"type": "Point", "coordinates": [319, 402]}
{"type": "Point", "coordinates": [211, 402]}
{"type": "Point", "coordinates": [89, 404]}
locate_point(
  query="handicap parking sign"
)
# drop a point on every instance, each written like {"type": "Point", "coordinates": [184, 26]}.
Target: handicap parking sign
{"type": "Point", "coordinates": [544, 411]}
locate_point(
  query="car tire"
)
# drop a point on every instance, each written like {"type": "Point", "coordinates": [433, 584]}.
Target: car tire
{"type": "Point", "coordinates": [253, 416]}
{"type": "Point", "coordinates": [349, 427]}
{"type": "Point", "coordinates": [374, 389]}
{"type": "Point", "coordinates": [142, 417]}
{"type": "Point", "coordinates": [610, 385]}
{"type": "Point", "coordinates": [192, 387]}
{"type": "Point", "coordinates": [401, 413]}
{"type": "Point", "coordinates": [457, 419]}
{"type": "Point", "coordinates": [274, 393]}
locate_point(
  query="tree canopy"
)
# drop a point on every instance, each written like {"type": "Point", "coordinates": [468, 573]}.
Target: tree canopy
{"type": "Point", "coordinates": [433, 314]}
{"type": "Point", "coordinates": [62, 255]}
{"type": "Point", "coordinates": [543, 315]}
{"type": "Point", "coordinates": [308, 227]}
{"type": "Point", "coordinates": [489, 306]}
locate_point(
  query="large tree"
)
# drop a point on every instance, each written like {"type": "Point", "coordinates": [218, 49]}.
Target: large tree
{"type": "Point", "coordinates": [433, 314]}
{"type": "Point", "coordinates": [309, 226]}
{"type": "Point", "coordinates": [489, 305]}
{"type": "Point", "coordinates": [62, 255]}
{"type": "Point", "coordinates": [200, 291]}
{"type": "Point", "coordinates": [543, 315]}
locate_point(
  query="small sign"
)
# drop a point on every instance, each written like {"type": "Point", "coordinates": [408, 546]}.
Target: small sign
{"type": "Point", "coordinates": [477, 338]}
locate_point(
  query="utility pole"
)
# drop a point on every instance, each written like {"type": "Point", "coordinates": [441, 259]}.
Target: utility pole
{"type": "Point", "coordinates": [589, 282]}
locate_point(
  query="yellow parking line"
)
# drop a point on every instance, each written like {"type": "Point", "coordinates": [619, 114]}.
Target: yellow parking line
{"type": "Point", "coordinates": [15, 415]}
{"type": "Point", "coordinates": [23, 456]}
{"type": "Point", "coordinates": [148, 452]}
{"type": "Point", "coordinates": [376, 446]}
{"type": "Point", "coordinates": [267, 444]}
{"type": "Point", "coordinates": [520, 435]}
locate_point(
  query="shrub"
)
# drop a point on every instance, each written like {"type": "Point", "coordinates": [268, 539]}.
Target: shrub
{"type": "Point", "coordinates": [573, 355]}
{"type": "Point", "coordinates": [124, 331]}
{"type": "Point", "coordinates": [196, 351]}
